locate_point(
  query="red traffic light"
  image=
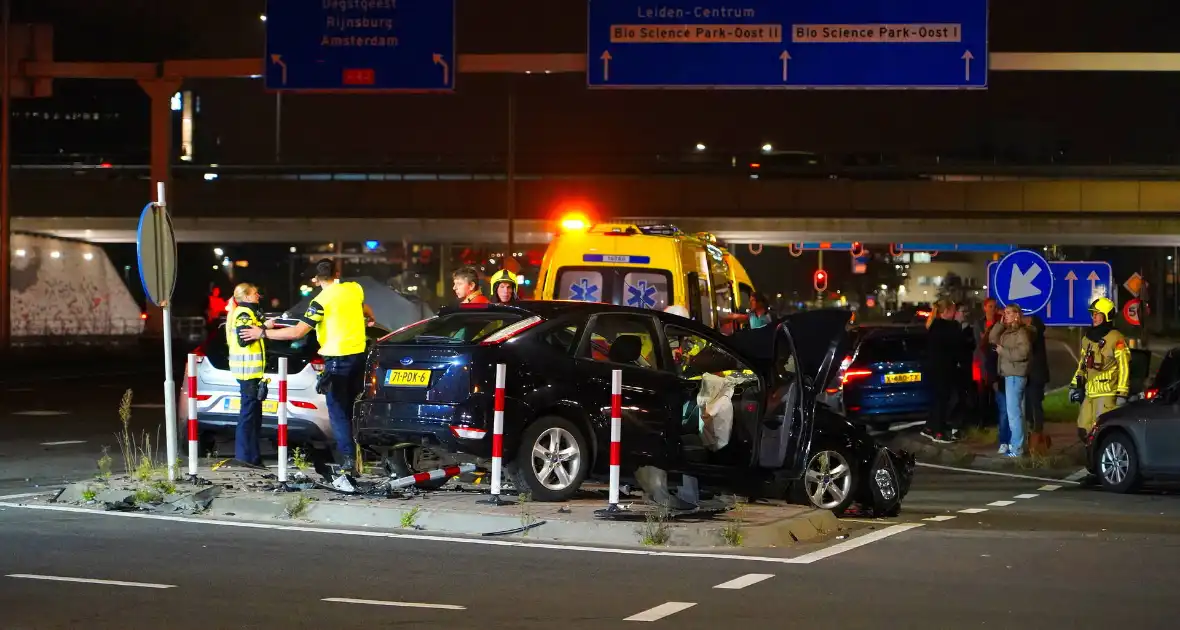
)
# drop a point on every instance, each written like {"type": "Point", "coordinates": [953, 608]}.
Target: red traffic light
{"type": "Point", "coordinates": [820, 280]}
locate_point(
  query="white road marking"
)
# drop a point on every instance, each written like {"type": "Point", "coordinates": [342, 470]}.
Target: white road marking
{"type": "Point", "coordinates": [58, 578]}
{"type": "Point", "coordinates": [1049, 488]}
{"type": "Point", "coordinates": [1077, 476]}
{"type": "Point", "coordinates": [40, 412]}
{"type": "Point", "coordinates": [804, 559]}
{"type": "Point", "coordinates": [998, 474]}
{"type": "Point", "coordinates": [1001, 503]}
{"type": "Point", "coordinates": [745, 580]}
{"type": "Point", "coordinates": [973, 511]}
{"type": "Point", "coordinates": [853, 543]}
{"type": "Point", "coordinates": [377, 602]}
{"type": "Point", "coordinates": [1026, 496]}
{"type": "Point", "coordinates": [25, 495]}
{"type": "Point", "coordinates": [661, 611]}
{"type": "Point", "coordinates": [63, 442]}
{"type": "Point", "coordinates": [940, 518]}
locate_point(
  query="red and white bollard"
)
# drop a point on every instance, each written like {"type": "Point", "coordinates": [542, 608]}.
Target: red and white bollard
{"type": "Point", "coordinates": [498, 432]}
{"type": "Point", "coordinates": [616, 436]}
{"type": "Point", "coordinates": [281, 437]}
{"type": "Point", "coordinates": [433, 475]}
{"type": "Point", "coordinates": [192, 415]}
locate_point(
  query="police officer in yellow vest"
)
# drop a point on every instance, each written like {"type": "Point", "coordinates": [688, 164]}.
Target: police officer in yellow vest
{"type": "Point", "coordinates": [1104, 368]}
{"type": "Point", "coordinates": [247, 362]}
{"type": "Point", "coordinates": [339, 315]}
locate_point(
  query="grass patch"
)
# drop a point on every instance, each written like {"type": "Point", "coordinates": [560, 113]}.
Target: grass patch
{"type": "Point", "coordinates": [1058, 408]}
{"type": "Point", "coordinates": [410, 518]}
{"type": "Point", "coordinates": [89, 494]}
{"type": "Point", "coordinates": [299, 459]}
{"type": "Point", "coordinates": [148, 495]}
{"type": "Point", "coordinates": [524, 508]}
{"type": "Point", "coordinates": [732, 532]}
{"type": "Point", "coordinates": [298, 506]}
{"type": "Point", "coordinates": [165, 486]}
{"type": "Point", "coordinates": [104, 464]}
{"type": "Point", "coordinates": [655, 531]}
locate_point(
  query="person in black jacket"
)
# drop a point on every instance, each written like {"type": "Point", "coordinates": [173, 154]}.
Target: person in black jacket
{"type": "Point", "coordinates": [1034, 391]}
{"type": "Point", "coordinates": [944, 352]}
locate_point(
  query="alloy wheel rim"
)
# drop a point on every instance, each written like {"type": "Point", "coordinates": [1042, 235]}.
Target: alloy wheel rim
{"type": "Point", "coordinates": [828, 480]}
{"type": "Point", "coordinates": [556, 458]}
{"type": "Point", "coordinates": [1116, 463]}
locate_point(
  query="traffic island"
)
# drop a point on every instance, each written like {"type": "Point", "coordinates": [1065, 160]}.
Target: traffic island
{"type": "Point", "coordinates": [252, 494]}
{"type": "Point", "coordinates": [978, 449]}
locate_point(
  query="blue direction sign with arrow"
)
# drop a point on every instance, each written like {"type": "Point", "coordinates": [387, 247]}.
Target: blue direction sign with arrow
{"type": "Point", "coordinates": [796, 44]}
{"type": "Point", "coordinates": [365, 46]}
{"type": "Point", "coordinates": [1075, 285]}
{"type": "Point", "coordinates": [1023, 278]}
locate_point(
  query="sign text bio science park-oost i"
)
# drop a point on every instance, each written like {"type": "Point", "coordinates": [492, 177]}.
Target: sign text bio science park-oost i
{"type": "Point", "coordinates": [788, 44]}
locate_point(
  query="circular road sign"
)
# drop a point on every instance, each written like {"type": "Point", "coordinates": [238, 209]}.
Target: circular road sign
{"type": "Point", "coordinates": [1131, 312]}
{"type": "Point", "coordinates": [1024, 278]}
{"type": "Point", "coordinates": [155, 246]}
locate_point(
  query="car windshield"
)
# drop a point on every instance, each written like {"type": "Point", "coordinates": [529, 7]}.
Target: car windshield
{"type": "Point", "coordinates": [468, 327]}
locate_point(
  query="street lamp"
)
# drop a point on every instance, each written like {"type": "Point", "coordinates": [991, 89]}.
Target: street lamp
{"type": "Point", "coordinates": [700, 146]}
{"type": "Point", "coordinates": [262, 18]}
{"type": "Point", "coordinates": [217, 251]}
{"type": "Point", "coordinates": [767, 148]}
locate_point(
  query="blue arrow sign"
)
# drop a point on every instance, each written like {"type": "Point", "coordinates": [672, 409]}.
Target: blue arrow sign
{"type": "Point", "coordinates": [796, 44]}
{"type": "Point", "coordinates": [368, 45]}
{"type": "Point", "coordinates": [1075, 285]}
{"type": "Point", "coordinates": [1023, 278]}
{"type": "Point", "coordinates": [583, 291]}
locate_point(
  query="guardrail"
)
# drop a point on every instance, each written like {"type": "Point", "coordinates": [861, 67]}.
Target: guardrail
{"type": "Point", "coordinates": [99, 330]}
{"type": "Point", "coordinates": [556, 166]}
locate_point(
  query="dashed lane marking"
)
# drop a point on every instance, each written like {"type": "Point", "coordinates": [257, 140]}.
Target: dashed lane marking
{"type": "Point", "coordinates": [58, 578]}
{"type": "Point", "coordinates": [40, 412]}
{"type": "Point", "coordinates": [994, 473]}
{"type": "Point", "coordinates": [1077, 476]}
{"type": "Point", "coordinates": [940, 518]}
{"type": "Point", "coordinates": [973, 511]}
{"type": "Point", "coordinates": [1001, 503]}
{"type": "Point", "coordinates": [661, 611]}
{"type": "Point", "coordinates": [748, 579]}
{"type": "Point", "coordinates": [378, 602]}
{"type": "Point", "coordinates": [63, 442]}
{"type": "Point", "coordinates": [804, 559]}
{"type": "Point", "coordinates": [1049, 488]}
{"type": "Point", "coordinates": [1026, 496]}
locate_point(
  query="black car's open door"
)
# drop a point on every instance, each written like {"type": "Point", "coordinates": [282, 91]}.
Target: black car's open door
{"type": "Point", "coordinates": [804, 348]}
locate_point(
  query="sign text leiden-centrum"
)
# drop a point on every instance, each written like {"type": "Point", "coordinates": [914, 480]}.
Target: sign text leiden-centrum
{"type": "Point", "coordinates": [360, 45]}
{"type": "Point", "coordinates": [799, 44]}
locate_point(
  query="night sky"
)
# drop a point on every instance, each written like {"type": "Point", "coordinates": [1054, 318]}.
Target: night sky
{"type": "Point", "coordinates": [1022, 117]}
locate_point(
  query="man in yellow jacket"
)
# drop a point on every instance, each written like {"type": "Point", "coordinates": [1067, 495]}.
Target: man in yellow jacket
{"type": "Point", "coordinates": [1104, 368]}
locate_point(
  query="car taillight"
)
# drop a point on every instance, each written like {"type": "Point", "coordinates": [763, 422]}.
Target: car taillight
{"type": "Point", "coordinates": [317, 364]}
{"type": "Point", "coordinates": [854, 374]}
{"type": "Point", "coordinates": [467, 433]}
{"type": "Point", "coordinates": [508, 332]}
{"type": "Point", "coordinates": [840, 374]}
{"type": "Point", "coordinates": [1151, 393]}
{"type": "Point", "coordinates": [303, 404]}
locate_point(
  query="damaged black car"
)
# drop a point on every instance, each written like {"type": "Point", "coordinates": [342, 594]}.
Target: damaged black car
{"type": "Point", "coordinates": [737, 413]}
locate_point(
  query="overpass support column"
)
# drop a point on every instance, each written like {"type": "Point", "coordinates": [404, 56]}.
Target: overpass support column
{"type": "Point", "coordinates": [160, 91]}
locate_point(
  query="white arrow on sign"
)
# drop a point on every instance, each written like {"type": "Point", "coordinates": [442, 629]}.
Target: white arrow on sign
{"type": "Point", "coordinates": [967, 57]}
{"type": "Point", "coordinates": [606, 65]}
{"type": "Point", "coordinates": [278, 59]}
{"type": "Point", "coordinates": [1021, 285]}
{"type": "Point", "coordinates": [785, 57]}
{"type": "Point", "coordinates": [1071, 277]}
{"type": "Point", "coordinates": [1093, 278]}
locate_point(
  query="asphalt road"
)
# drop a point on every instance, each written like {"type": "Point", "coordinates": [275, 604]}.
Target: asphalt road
{"type": "Point", "coordinates": [990, 551]}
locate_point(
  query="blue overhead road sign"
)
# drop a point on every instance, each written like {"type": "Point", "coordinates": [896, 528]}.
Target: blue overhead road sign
{"type": "Point", "coordinates": [788, 44]}
{"type": "Point", "coordinates": [1023, 278]}
{"type": "Point", "coordinates": [360, 45]}
{"type": "Point", "coordinates": [1075, 285]}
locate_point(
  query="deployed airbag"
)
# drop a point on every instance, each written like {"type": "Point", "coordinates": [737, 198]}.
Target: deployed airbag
{"type": "Point", "coordinates": [714, 400]}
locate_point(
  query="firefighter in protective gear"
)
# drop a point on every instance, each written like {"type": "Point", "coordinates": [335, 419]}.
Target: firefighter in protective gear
{"type": "Point", "coordinates": [247, 363]}
{"type": "Point", "coordinates": [504, 285]}
{"type": "Point", "coordinates": [1104, 368]}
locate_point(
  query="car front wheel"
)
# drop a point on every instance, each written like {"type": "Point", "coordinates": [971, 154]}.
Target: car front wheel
{"type": "Point", "coordinates": [1118, 463]}
{"type": "Point", "coordinates": [830, 480]}
{"type": "Point", "coordinates": [553, 459]}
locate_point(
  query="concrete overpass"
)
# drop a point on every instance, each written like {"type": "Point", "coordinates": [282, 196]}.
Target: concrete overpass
{"type": "Point", "coordinates": [470, 208]}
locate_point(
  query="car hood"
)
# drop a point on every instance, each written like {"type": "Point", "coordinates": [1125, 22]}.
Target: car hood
{"type": "Point", "coordinates": [818, 336]}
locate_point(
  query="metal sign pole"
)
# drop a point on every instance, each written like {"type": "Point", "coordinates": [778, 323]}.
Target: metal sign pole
{"type": "Point", "coordinates": [169, 385]}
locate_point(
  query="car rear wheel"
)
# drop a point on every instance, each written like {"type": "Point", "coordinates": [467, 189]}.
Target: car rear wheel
{"type": "Point", "coordinates": [830, 480]}
{"type": "Point", "coordinates": [411, 460]}
{"type": "Point", "coordinates": [553, 459]}
{"type": "Point", "coordinates": [1118, 463]}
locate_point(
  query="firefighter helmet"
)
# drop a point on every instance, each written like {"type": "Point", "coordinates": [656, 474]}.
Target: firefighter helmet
{"type": "Point", "coordinates": [1104, 306]}
{"type": "Point", "coordinates": [504, 275]}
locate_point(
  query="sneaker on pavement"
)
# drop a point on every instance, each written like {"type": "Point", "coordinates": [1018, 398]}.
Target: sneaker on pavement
{"type": "Point", "coordinates": [1012, 454]}
{"type": "Point", "coordinates": [1003, 449]}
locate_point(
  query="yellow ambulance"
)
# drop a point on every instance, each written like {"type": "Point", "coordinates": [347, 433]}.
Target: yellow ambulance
{"type": "Point", "coordinates": [643, 266]}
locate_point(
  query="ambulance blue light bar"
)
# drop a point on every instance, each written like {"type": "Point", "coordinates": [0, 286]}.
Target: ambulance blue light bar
{"type": "Point", "coordinates": [617, 258]}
